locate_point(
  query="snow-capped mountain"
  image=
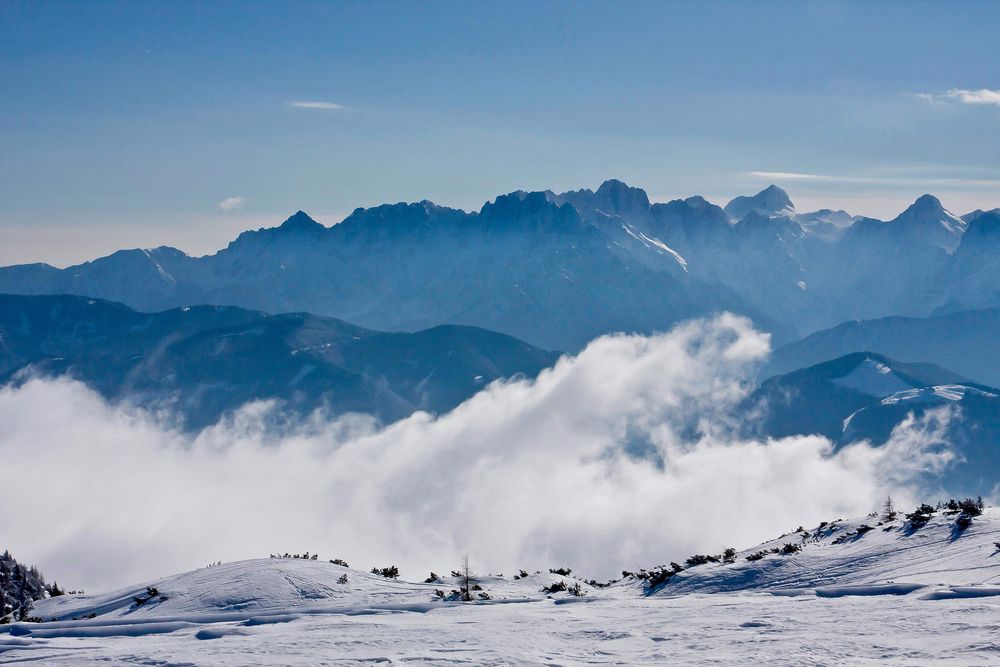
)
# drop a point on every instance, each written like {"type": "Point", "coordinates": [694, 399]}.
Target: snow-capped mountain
{"type": "Point", "coordinates": [559, 269]}
{"type": "Point", "coordinates": [769, 202]}
{"type": "Point", "coordinates": [864, 396]}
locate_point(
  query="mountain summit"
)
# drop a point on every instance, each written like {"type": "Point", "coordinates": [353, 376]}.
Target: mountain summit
{"type": "Point", "coordinates": [300, 222]}
{"type": "Point", "coordinates": [928, 218]}
{"type": "Point", "coordinates": [772, 200]}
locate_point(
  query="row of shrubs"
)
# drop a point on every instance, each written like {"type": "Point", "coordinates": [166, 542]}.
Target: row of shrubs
{"type": "Point", "coordinates": [655, 577]}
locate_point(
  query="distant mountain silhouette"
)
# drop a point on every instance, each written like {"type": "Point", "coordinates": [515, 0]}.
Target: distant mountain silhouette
{"type": "Point", "coordinates": [558, 270]}
{"type": "Point", "coordinates": [205, 361]}
{"type": "Point", "coordinates": [965, 342]}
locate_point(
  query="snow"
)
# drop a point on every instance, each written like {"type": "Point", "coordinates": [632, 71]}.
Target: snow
{"type": "Point", "coordinates": [662, 247]}
{"type": "Point", "coordinates": [889, 594]}
{"type": "Point", "coordinates": [947, 392]}
{"type": "Point", "coordinates": [869, 589]}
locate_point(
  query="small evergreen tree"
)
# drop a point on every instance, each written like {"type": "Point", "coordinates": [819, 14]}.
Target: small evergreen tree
{"type": "Point", "coordinates": [889, 510]}
{"type": "Point", "coordinates": [466, 579]}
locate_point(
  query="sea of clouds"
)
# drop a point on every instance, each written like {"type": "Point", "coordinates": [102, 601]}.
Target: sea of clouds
{"type": "Point", "coordinates": [622, 456]}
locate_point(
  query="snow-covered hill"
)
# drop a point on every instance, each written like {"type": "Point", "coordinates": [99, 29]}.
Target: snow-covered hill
{"type": "Point", "coordinates": [899, 591]}
{"type": "Point", "coordinates": [864, 556]}
{"type": "Point", "coordinates": [249, 588]}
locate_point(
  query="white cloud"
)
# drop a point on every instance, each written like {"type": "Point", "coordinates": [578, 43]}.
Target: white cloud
{"type": "Point", "coordinates": [981, 96]}
{"type": "Point", "coordinates": [329, 106]}
{"type": "Point", "coordinates": [791, 176]}
{"type": "Point", "coordinates": [585, 466]}
{"type": "Point", "coordinates": [876, 180]}
{"type": "Point", "coordinates": [229, 203]}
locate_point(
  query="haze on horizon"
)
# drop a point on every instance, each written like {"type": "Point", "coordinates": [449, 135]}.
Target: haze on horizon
{"type": "Point", "coordinates": [141, 125]}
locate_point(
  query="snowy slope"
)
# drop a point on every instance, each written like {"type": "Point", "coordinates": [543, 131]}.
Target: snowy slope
{"type": "Point", "coordinates": [838, 555]}
{"type": "Point", "coordinates": [247, 588]}
{"type": "Point", "coordinates": [890, 594]}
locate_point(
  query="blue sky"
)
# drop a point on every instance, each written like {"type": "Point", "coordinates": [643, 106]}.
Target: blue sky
{"type": "Point", "coordinates": [142, 123]}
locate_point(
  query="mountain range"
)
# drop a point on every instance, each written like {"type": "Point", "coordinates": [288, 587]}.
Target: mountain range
{"type": "Point", "coordinates": [964, 341]}
{"type": "Point", "coordinates": [557, 270]}
{"type": "Point", "coordinates": [202, 362]}
{"type": "Point", "coordinates": [409, 307]}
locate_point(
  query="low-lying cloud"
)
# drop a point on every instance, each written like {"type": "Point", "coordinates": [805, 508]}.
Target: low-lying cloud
{"type": "Point", "coordinates": [618, 457]}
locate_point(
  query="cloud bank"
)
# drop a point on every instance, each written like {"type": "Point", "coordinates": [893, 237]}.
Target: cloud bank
{"type": "Point", "coordinates": [618, 457]}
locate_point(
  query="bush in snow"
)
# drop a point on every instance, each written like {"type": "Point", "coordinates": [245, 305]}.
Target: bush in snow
{"type": "Point", "coordinates": [729, 555]}
{"type": "Point", "coordinates": [151, 592]}
{"type": "Point", "coordinates": [700, 559]}
{"type": "Point", "coordinates": [391, 572]}
{"type": "Point", "coordinates": [790, 549]}
{"type": "Point", "coordinates": [919, 517]}
{"type": "Point", "coordinates": [557, 587]}
{"type": "Point", "coordinates": [431, 579]}
{"type": "Point", "coordinates": [521, 575]}
{"type": "Point", "coordinates": [340, 561]}
{"type": "Point", "coordinates": [561, 571]}
{"type": "Point", "coordinates": [758, 555]}
{"type": "Point", "coordinates": [342, 580]}
{"type": "Point", "coordinates": [660, 576]}
{"type": "Point", "coordinates": [971, 507]}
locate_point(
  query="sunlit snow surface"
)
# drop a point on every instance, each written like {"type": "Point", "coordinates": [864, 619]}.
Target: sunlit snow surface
{"type": "Point", "coordinates": [891, 594]}
{"type": "Point", "coordinates": [948, 392]}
